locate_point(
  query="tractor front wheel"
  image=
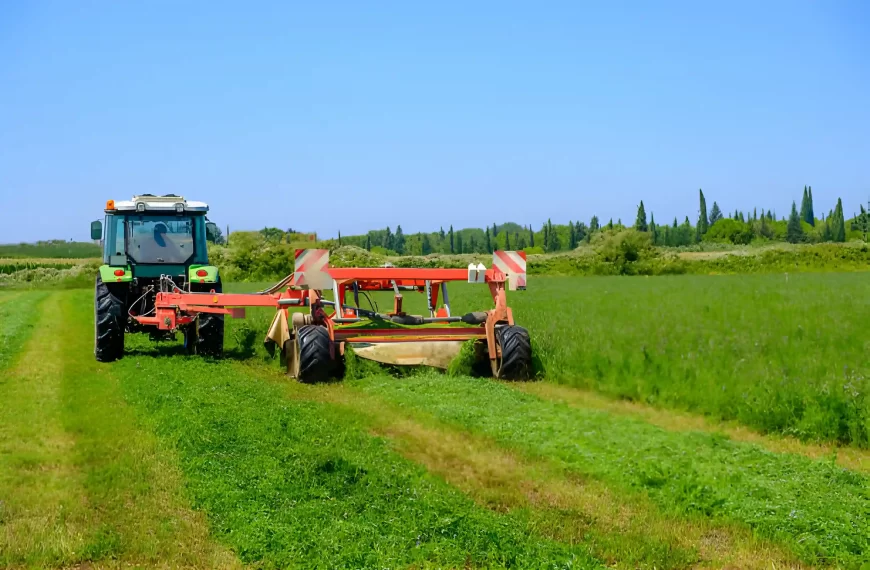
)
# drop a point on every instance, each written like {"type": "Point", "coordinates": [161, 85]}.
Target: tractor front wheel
{"type": "Point", "coordinates": [109, 321]}
{"type": "Point", "coordinates": [209, 335]}
{"type": "Point", "coordinates": [313, 360]}
{"type": "Point", "coordinates": [515, 362]}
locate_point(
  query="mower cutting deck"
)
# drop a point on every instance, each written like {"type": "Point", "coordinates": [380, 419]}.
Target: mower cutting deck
{"type": "Point", "coordinates": [314, 333]}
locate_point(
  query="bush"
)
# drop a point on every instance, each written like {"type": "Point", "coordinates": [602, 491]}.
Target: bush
{"type": "Point", "coordinates": [731, 231]}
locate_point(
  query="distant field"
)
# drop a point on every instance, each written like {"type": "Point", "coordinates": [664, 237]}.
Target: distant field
{"type": "Point", "coordinates": [11, 265]}
{"type": "Point", "coordinates": [50, 249]}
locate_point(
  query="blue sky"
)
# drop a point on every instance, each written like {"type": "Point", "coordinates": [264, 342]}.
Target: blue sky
{"type": "Point", "coordinates": [355, 115]}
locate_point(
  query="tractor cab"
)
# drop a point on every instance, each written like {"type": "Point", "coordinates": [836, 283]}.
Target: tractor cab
{"type": "Point", "coordinates": [150, 236]}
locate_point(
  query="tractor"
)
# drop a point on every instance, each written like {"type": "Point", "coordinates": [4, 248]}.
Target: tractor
{"type": "Point", "coordinates": [152, 244]}
{"type": "Point", "coordinates": [155, 277]}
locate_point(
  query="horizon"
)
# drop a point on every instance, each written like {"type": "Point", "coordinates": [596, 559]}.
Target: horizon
{"type": "Point", "coordinates": [356, 119]}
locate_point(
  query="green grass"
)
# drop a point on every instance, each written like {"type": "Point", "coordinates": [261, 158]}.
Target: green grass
{"type": "Point", "coordinates": [80, 483]}
{"type": "Point", "coordinates": [18, 314]}
{"type": "Point", "coordinates": [781, 354]}
{"type": "Point", "coordinates": [815, 508]}
{"type": "Point", "coordinates": [295, 484]}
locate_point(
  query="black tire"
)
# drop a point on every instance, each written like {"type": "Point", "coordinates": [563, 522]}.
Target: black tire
{"type": "Point", "coordinates": [191, 337]}
{"type": "Point", "coordinates": [110, 308]}
{"type": "Point", "coordinates": [516, 353]}
{"type": "Point", "coordinates": [312, 345]}
{"type": "Point", "coordinates": [210, 326]}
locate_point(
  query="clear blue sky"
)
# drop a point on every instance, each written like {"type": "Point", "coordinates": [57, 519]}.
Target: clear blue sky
{"type": "Point", "coordinates": [355, 115]}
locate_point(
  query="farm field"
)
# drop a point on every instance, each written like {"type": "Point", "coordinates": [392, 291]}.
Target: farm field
{"type": "Point", "coordinates": [678, 422]}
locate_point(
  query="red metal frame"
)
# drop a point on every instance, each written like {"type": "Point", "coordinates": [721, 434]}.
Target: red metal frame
{"type": "Point", "coordinates": [178, 308]}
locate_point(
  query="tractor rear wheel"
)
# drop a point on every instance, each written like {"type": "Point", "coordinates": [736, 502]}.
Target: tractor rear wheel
{"type": "Point", "coordinates": [515, 362]}
{"type": "Point", "coordinates": [109, 321]}
{"type": "Point", "coordinates": [209, 337]}
{"type": "Point", "coordinates": [312, 351]}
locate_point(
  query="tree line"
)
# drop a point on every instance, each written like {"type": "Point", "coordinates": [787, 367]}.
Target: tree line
{"type": "Point", "coordinates": [712, 225]}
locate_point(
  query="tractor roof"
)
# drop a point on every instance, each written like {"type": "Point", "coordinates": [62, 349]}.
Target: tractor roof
{"type": "Point", "coordinates": [152, 203]}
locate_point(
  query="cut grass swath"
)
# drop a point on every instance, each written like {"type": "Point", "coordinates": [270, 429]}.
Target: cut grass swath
{"type": "Point", "coordinates": [80, 483]}
{"type": "Point", "coordinates": [816, 509]}
{"type": "Point", "coordinates": [301, 484]}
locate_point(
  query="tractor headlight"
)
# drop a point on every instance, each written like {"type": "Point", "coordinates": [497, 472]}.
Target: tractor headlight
{"type": "Point", "coordinates": [140, 207]}
{"type": "Point", "coordinates": [179, 208]}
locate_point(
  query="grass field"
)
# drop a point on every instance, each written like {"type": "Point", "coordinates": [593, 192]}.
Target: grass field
{"type": "Point", "coordinates": [167, 460]}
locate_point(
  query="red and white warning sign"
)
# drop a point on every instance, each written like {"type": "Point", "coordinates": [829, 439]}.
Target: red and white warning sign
{"type": "Point", "coordinates": [513, 265]}
{"type": "Point", "coordinates": [310, 271]}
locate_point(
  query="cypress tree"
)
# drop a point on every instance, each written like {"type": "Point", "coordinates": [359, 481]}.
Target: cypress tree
{"type": "Point", "coordinates": [572, 236]}
{"type": "Point", "coordinates": [546, 237]}
{"type": "Point", "coordinates": [640, 224]}
{"type": "Point", "coordinates": [399, 241]}
{"type": "Point", "coordinates": [805, 205]}
{"type": "Point", "coordinates": [552, 238]}
{"type": "Point", "coordinates": [531, 236]}
{"type": "Point", "coordinates": [652, 226]}
{"type": "Point", "coordinates": [517, 241]}
{"type": "Point", "coordinates": [494, 231]}
{"type": "Point", "coordinates": [794, 231]}
{"type": "Point", "coordinates": [811, 215]}
{"type": "Point", "coordinates": [339, 238]}
{"type": "Point", "coordinates": [459, 247]}
{"type": "Point", "coordinates": [715, 213]}
{"type": "Point", "coordinates": [507, 241]}
{"type": "Point", "coordinates": [369, 241]}
{"type": "Point", "coordinates": [610, 224]}
{"type": "Point", "coordinates": [703, 221]}
{"type": "Point", "coordinates": [593, 224]}
{"type": "Point", "coordinates": [488, 242]}
{"type": "Point", "coordinates": [450, 233]}
{"type": "Point", "coordinates": [840, 234]}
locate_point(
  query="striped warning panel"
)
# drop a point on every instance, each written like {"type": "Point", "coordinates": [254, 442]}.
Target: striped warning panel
{"type": "Point", "coordinates": [310, 271]}
{"type": "Point", "coordinates": [513, 265]}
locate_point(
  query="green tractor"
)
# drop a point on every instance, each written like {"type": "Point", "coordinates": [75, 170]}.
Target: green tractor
{"type": "Point", "coordinates": [150, 244]}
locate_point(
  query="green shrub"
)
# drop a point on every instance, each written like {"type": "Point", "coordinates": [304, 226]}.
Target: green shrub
{"type": "Point", "coordinates": [731, 231]}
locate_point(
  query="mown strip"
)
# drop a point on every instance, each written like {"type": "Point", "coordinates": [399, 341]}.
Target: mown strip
{"type": "Point", "coordinates": [818, 510]}
{"type": "Point", "coordinates": [18, 313]}
{"type": "Point", "coordinates": [624, 531]}
{"type": "Point", "coordinates": [80, 483]}
{"type": "Point", "coordinates": [848, 457]}
{"type": "Point", "coordinates": [301, 484]}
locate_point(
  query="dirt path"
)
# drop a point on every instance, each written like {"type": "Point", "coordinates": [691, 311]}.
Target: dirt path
{"type": "Point", "coordinates": [848, 457]}
{"type": "Point", "coordinates": [80, 482]}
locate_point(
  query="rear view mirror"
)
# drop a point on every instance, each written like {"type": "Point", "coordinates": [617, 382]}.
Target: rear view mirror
{"type": "Point", "coordinates": [96, 230]}
{"type": "Point", "coordinates": [211, 231]}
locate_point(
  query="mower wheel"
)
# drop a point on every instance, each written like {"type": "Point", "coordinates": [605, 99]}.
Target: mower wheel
{"type": "Point", "coordinates": [312, 350]}
{"type": "Point", "coordinates": [209, 336]}
{"type": "Point", "coordinates": [191, 337]}
{"type": "Point", "coordinates": [516, 353]}
{"type": "Point", "coordinates": [109, 321]}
